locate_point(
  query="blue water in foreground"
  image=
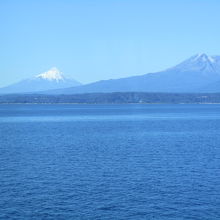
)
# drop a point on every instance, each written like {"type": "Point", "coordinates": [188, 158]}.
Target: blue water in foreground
{"type": "Point", "coordinates": [110, 162]}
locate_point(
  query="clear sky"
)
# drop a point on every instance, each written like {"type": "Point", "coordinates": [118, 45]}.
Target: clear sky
{"type": "Point", "coordinates": [102, 39]}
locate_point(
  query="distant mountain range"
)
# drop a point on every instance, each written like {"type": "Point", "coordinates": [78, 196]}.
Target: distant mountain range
{"type": "Point", "coordinates": [199, 73]}
{"type": "Point", "coordinates": [50, 80]}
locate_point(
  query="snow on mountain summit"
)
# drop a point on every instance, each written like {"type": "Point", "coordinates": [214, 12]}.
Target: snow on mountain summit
{"type": "Point", "coordinates": [200, 63]}
{"type": "Point", "coordinates": [203, 57]}
{"type": "Point", "coordinates": [52, 74]}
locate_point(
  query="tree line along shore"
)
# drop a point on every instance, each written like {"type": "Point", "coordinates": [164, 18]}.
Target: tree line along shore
{"type": "Point", "coordinates": [113, 98]}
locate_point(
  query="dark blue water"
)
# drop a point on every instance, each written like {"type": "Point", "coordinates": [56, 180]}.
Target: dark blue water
{"type": "Point", "coordinates": [110, 162]}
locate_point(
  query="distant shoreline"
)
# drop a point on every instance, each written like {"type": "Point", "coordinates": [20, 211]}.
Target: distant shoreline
{"type": "Point", "coordinates": [110, 103]}
{"type": "Point", "coordinates": [113, 98]}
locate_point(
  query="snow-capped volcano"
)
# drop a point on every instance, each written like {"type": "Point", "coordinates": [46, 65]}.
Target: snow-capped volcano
{"type": "Point", "coordinates": [51, 79]}
{"type": "Point", "coordinates": [200, 62]}
{"type": "Point", "coordinates": [52, 74]}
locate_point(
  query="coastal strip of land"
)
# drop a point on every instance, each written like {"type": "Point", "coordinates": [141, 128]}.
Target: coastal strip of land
{"type": "Point", "coordinates": [113, 98]}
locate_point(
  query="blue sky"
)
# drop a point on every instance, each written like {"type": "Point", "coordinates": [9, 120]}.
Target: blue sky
{"type": "Point", "coordinates": [96, 39]}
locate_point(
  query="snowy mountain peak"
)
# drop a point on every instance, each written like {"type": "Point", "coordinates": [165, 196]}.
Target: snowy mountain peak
{"type": "Point", "coordinates": [200, 63]}
{"type": "Point", "coordinates": [204, 58]}
{"type": "Point", "coordinates": [52, 74]}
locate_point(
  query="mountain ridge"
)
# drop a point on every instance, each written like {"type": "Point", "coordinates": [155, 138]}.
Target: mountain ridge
{"type": "Point", "coordinates": [199, 73]}
{"type": "Point", "coordinates": [192, 75]}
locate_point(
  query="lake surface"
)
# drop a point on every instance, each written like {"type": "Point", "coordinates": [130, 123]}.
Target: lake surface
{"type": "Point", "coordinates": [110, 162]}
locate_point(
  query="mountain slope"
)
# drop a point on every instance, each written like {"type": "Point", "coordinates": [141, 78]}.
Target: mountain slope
{"type": "Point", "coordinates": [191, 75]}
{"type": "Point", "coordinates": [52, 79]}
